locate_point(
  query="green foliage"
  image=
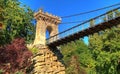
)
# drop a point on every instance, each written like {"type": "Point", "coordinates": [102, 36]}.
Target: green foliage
{"type": "Point", "coordinates": [102, 56]}
{"type": "Point", "coordinates": [17, 21]}
{"type": "Point", "coordinates": [105, 47]}
{"type": "Point", "coordinates": [18, 72]}
{"type": "Point", "coordinates": [1, 71]}
{"type": "Point", "coordinates": [106, 51]}
{"type": "Point", "coordinates": [81, 52]}
{"type": "Point", "coordinates": [34, 50]}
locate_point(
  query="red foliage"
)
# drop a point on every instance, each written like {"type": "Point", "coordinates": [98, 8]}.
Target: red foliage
{"type": "Point", "coordinates": [14, 57]}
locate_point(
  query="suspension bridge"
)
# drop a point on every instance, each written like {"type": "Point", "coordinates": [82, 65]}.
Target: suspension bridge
{"type": "Point", "coordinates": [91, 26]}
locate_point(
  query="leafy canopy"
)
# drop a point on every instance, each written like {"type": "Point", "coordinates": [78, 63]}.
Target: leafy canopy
{"type": "Point", "coordinates": [17, 21]}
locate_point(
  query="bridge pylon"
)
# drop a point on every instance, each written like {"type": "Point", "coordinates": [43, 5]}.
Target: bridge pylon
{"type": "Point", "coordinates": [45, 21]}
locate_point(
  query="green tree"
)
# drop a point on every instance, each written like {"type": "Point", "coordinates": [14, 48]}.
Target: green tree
{"type": "Point", "coordinates": [106, 51]}
{"type": "Point", "coordinates": [17, 21]}
{"type": "Point", "coordinates": [77, 58]}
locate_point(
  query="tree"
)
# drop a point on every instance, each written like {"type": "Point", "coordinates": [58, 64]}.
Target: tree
{"type": "Point", "coordinates": [17, 21]}
{"type": "Point", "coordinates": [106, 51]}
{"type": "Point", "coordinates": [77, 58]}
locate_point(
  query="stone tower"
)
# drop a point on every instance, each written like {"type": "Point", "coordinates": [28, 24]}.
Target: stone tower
{"type": "Point", "coordinates": [45, 61]}
{"type": "Point", "coordinates": [45, 22]}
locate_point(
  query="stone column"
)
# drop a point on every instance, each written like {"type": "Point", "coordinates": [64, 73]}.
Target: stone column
{"type": "Point", "coordinates": [40, 33]}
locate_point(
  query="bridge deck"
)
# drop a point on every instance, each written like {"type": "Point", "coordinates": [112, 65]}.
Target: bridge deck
{"type": "Point", "coordinates": [107, 23]}
{"type": "Point", "coordinates": [86, 32]}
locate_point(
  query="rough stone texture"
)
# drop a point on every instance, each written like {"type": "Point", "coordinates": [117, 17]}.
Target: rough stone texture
{"type": "Point", "coordinates": [45, 22]}
{"type": "Point", "coordinates": [45, 62]}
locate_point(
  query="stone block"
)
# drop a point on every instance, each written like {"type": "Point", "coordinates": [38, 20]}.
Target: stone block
{"type": "Point", "coordinates": [61, 72]}
{"type": "Point", "coordinates": [54, 58]}
{"type": "Point", "coordinates": [41, 51]}
{"type": "Point", "coordinates": [39, 69]}
{"type": "Point", "coordinates": [47, 56]}
{"type": "Point", "coordinates": [39, 58]}
{"type": "Point", "coordinates": [62, 68]}
{"type": "Point", "coordinates": [55, 67]}
{"type": "Point", "coordinates": [39, 64]}
{"type": "Point", "coordinates": [49, 70]}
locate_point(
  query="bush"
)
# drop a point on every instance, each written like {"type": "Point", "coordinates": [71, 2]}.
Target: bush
{"type": "Point", "coordinates": [15, 56]}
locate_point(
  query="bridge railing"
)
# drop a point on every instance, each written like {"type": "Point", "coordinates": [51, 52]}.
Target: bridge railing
{"type": "Point", "coordinates": [87, 24]}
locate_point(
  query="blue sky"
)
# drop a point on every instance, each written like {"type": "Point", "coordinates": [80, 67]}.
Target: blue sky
{"type": "Point", "coordinates": [68, 7]}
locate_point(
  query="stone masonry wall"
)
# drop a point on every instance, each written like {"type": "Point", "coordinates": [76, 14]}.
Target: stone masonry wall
{"type": "Point", "coordinates": [45, 62]}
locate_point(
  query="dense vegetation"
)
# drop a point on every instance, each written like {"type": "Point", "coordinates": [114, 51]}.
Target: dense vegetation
{"type": "Point", "coordinates": [14, 57]}
{"type": "Point", "coordinates": [17, 29]}
{"type": "Point", "coordinates": [76, 56]}
{"type": "Point", "coordinates": [17, 21]}
{"type": "Point", "coordinates": [101, 56]}
{"type": "Point", "coordinates": [106, 51]}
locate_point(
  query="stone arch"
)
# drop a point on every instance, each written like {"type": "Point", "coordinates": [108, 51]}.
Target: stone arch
{"type": "Point", "coordinates": [49, 29]}
{"type": "Point", "coordinates": [45, 22]}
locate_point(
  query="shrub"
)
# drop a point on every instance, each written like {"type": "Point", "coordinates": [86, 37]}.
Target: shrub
{"type": "Point", "coordinates": [15, 56]}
